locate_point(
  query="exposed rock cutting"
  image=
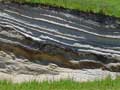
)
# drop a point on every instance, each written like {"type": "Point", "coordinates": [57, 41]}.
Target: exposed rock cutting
{"type": "Point", "coordinates": [20, 70]}
{"type": "Point", "coordinates": [48, 36]}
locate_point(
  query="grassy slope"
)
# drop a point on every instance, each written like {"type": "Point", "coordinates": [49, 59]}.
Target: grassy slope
{"type": "Point", "coordinates": [107, 84]}
{"type": "Point", "coordinates": [108, 7]}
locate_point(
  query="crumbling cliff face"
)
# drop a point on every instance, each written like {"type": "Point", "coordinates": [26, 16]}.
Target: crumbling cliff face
{"type": "Point", "coordinates": [48, 36]}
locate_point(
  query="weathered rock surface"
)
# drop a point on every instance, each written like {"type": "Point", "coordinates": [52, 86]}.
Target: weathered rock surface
{"type": "Point", "coordinates": [21, 66]}
{"type": "Point", "coordinates": [47, 52]}
{"type": "Point", "coordinates": [114, 67]}
{"type": "Point", "coordinates": [19, 70]}
{"type": "Point", "coordinates": [32, 37]}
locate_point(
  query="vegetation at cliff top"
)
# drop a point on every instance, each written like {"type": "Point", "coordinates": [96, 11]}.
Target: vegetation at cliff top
{"type": "Point", "coordinates": [106, 84]}
{"type": "Point", "coordinates": [107, 7]}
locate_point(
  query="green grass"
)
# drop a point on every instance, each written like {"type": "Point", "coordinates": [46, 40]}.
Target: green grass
{"type": "Point", "coordinates": [106, 84]}
{"type": "Point", "coordinates": [107, 7]}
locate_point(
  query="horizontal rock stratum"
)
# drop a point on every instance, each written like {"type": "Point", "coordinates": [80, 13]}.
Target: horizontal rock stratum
{"type": "Point", "coordinates": [48, 36]}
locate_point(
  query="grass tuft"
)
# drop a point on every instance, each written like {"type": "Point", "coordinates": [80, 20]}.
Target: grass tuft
{"type": "Point", "coordinates": [107, 84]}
